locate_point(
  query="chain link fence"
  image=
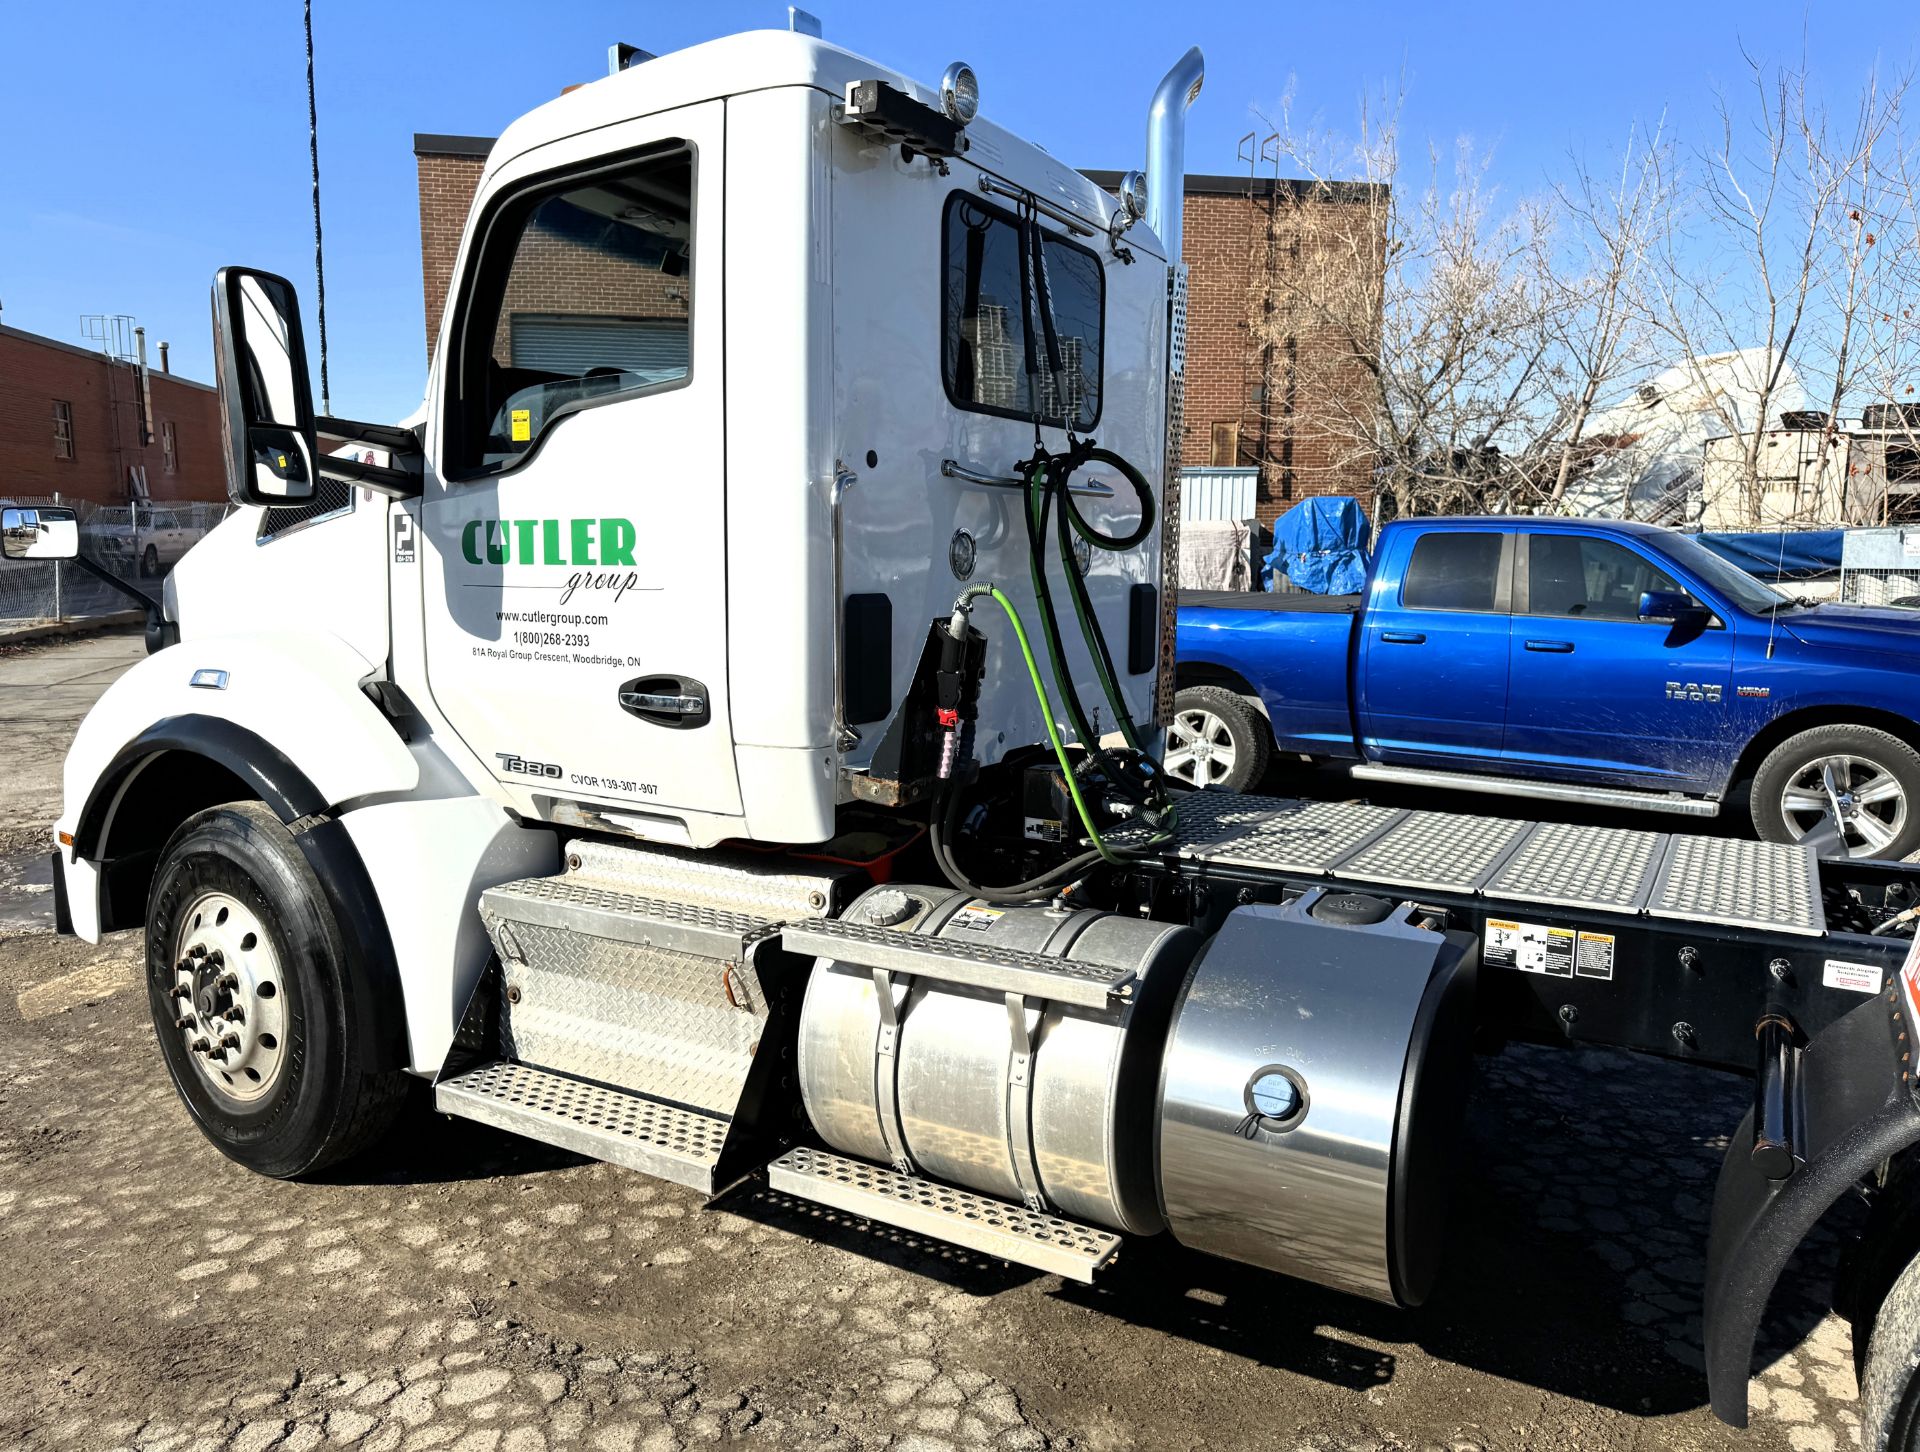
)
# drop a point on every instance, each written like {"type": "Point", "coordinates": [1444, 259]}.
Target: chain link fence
{"type": "Point", "coordinates": [137, 543]}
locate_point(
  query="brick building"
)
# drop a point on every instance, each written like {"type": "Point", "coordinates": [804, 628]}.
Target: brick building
{"type": "Point", "coordinates": [1258, 389]}
{"type": "Point", "coordinates": [72, 421]}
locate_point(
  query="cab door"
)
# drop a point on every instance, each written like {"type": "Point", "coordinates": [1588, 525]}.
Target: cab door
{"type": "Point", "coordinates": [1600, 694]}
{"type": "Point", "coordinates": [575, 537]}
{"type": "Point", "coordinates": [1432, 657]}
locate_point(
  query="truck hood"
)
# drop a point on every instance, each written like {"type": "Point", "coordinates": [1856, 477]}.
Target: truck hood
{"type": "Point", "coordinates": [1855, 627]}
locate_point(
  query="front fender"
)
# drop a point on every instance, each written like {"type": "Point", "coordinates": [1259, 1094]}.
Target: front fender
{"type": "Point", "coordinates": [1858, 1109]}
{"type": "Point", "coordinates": [300, 692]}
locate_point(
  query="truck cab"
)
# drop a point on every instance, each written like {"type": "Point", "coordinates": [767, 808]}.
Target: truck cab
{"type": "Point", "coordinates": [703, 331]}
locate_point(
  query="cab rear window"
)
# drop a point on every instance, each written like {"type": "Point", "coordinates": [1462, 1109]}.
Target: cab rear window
{"type": "Point", "coordinates": [996, 345]}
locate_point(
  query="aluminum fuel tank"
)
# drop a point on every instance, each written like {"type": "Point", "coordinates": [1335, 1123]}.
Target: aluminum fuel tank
{"type": "Point", "coordinates": [1312, 1092]}
{"type": "Point", "coordinates": [1019, 1097]}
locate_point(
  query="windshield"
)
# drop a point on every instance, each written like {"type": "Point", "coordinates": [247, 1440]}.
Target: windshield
{"type": "Point", "coordinates": [1728, 578]}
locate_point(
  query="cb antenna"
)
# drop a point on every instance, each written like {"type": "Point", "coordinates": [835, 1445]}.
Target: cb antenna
{"type": "Point", "coordinates": [319, 256]}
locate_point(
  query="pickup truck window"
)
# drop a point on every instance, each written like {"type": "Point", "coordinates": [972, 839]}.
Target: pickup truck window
{"type": "Point", "coordinates": [1728, 578]}
{"type": "Point", "coordinates": [986, 328]}
{"type": "Point", "coordinates": [1594, 579]}
{"type": "Point", "coordinates": [1454, 572]}
{"type": "Point", "coordinates": [582, 294]}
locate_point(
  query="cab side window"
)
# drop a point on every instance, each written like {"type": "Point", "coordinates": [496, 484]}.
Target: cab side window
{"type": "Point", "coordinates": [1591, 579]}
{"type": "Point", "coordinates": [581, 294]}
{"type": "Point", "coordinates": [1455, 572]}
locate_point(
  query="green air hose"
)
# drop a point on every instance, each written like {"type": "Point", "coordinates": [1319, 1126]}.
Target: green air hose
{"type": "Point", "coordinates": [1046, 712]}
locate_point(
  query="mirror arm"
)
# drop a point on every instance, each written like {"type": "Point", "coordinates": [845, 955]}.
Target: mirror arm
{"type": "Point", "coordinates": [132, 592]}
{"type": "Point", "coordinates": [380, 436]}
{"type": "Point", "coordinates": [393, 483]}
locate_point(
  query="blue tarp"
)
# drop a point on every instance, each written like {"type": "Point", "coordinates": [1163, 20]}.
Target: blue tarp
{"type": "Point", "coordinates": [1794, 555]}
{"type": "Point", "coordinates": [1320, 545]}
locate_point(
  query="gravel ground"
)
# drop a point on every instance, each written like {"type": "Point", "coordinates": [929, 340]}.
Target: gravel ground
{"type": "Point", "coordinates": [462, 1289]}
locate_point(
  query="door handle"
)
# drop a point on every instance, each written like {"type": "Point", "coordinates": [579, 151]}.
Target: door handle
{"type": "Point", "coordinates": [1552, 647]}
{"type": "Point", "coordinates": [679, 702]}
{"type": "Point", "coordinates": [653, 701]}
{"type": "Point", "coordinates": [1403, 637]}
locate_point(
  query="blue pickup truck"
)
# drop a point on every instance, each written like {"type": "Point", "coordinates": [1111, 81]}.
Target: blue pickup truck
{"type": "Point", "coordinates": [1599, 661]}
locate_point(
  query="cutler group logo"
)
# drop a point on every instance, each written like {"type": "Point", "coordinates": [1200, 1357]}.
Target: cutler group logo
{"type": "Point", "coordinates": [404, 533]}
{"type": "Point", "coordinates": [598, 553]}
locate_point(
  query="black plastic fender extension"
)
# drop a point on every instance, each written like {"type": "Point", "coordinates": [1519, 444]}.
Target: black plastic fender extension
{"type": "Point", "coordinates": [372, 971]}
{"type": "Point", "coordinates": [1859, 1107]}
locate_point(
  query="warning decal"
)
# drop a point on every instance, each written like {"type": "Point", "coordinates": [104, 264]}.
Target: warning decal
{"type": "Point", "coordinates": [1532, 948]}
{"type": "Point", "coordinates": [1594, 956]}
{"type": "Point", "coordinates": [975, 918]}
{"type": "Point", "coordinates": [521, 422]}
{"type": "Point", "coordinates": [1856, 977]}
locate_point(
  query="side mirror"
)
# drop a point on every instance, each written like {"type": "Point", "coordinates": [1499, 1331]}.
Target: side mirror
{"type": "Point", "coordinates": [266, 415]}
{"type": "Point", "coordinates": [46, 533]}
{"type": "Point", "coordinates": [1667, 606]}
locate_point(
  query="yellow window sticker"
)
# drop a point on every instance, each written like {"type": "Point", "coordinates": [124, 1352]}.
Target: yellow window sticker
{"type": "Point", "coordinates": [522, 425]}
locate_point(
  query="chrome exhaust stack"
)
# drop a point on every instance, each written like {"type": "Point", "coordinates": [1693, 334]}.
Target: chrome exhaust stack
{"type": "Point", "coordinates": [1167, 148]}
{"type": "Point", "coordinates": [1166, 195]}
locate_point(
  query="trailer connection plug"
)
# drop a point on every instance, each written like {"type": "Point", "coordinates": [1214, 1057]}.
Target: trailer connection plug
{"type": "Point", "coordinates": [956, 694]}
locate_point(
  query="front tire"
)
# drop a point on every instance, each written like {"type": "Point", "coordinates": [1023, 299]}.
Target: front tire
{"type": "Point", "coordinates": [1217, 740]}
{"type": "Point", "coordinates": [150, 562]}
{"type": "Point", "coordinates": [1872, 775]}
{"type": "Point", "coordinates": [247, 984]}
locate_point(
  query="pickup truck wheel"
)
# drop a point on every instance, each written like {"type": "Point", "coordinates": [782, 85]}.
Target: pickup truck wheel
{"type": "Point", "coordinates": [150, 562]}
{"type": "Point", "coordinates": [245, 979]}
{"type": "Point", "coordinates": [1871, 777]}
{"type": "Point", "coordinates": [1217, 740]}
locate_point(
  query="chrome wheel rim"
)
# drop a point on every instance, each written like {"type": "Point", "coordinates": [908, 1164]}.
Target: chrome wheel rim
{"type": "Point", "coordinates": [227, 999]}
{"type": "Point", "coordinates": [1200, 749]}
{"type": "Point", "coordinates": [1861, 793]}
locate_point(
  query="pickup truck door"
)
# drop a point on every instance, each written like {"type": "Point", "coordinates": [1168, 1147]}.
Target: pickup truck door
{"type": "Point", "coordinates": [1432, 654]}
{"type": "Point", "coordinates": [575, 565]}
{"type": "Point", "coordinates": [1598, 693]}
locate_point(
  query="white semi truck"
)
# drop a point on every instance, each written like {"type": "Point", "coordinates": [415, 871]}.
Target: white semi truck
{"type": "Point", "coordinates": [687, 748]}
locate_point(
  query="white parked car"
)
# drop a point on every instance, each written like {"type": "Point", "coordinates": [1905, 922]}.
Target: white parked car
{"type": "Point", "coordinates": [143, 536]}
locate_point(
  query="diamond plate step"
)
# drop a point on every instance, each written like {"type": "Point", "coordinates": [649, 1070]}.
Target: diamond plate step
{"type": "Point", "coordinates": [601, 908]}
{"type": "Point", "coordinates": [1753, 884]}
{"type": "Point", "coordinates": [940, 1212]}
{"type": "Point", "coordinates": [1003, 970]}
{"type": "Point", "coordinates": [606, 1124]}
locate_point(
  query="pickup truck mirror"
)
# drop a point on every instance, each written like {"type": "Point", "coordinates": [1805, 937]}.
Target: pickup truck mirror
{"type": "Point", "coordinates": [1668, 606]}
{"type": "Point", "coordinates": [266, 416]}
{"type": "Point", "coordinates": [46, 533]}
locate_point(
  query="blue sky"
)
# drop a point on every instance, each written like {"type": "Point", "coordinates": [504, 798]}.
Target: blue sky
{"type": "Point", "coordinates": [143, 145]}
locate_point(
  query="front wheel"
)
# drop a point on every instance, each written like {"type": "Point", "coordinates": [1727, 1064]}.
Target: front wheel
{"type": "Point", "coordinates": [246, 979]}
{"type": "Point", "coordinates": [1867, 779]}
{"type": "Point", "coordinates": [150, 562]}
{"type": "Point", "coordinates": [1217, 740]}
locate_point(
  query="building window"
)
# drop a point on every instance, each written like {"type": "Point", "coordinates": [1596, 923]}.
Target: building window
{"type": "Point", "coordinates": [62, 429]}
{"type": "Point", "coordinates": [169, 448]}
{"type": "Point", "coordinates": [1226, 445]}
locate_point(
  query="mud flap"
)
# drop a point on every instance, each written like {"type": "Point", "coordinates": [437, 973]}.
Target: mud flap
{"type": "Point", "coordinates": [1857, 1108]}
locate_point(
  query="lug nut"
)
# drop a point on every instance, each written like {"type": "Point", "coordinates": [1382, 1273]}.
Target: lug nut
{"type": "Point", "coordinates": [185, 1021]}
{"type": "Point", "coordinates": [228, 981]}
{"type": "Point", "coordinates": [198, 950]}
{"type": "Point", "coordinates": [235, 1015]}
{"type": "Point", "coordinates": [180, 990]}
{"type": "Point", "coordinates": [201, 1046]}
{"type": "Point", "coordinates": [229, 1041]}
{"type": "Point", "coordinates": [216, 958]}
